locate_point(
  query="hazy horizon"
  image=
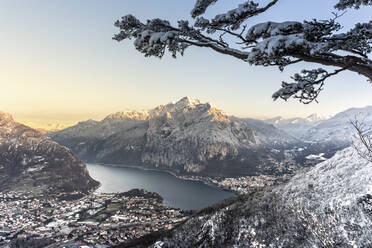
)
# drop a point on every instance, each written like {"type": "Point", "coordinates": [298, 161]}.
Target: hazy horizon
{"type": "Point", "coordinates": [58, 122]}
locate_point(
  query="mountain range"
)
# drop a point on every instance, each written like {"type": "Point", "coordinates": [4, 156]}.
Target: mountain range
{"type": "Point", "coordinates": [185, 137]}
{"type": "Point", "coordinates": [338, 129]}
{"type": "Point", "coordinates": [296, 126]}
{"type": "Point", "coordinates": [31, 162]}
{"type": "Point", "coordinates": [335, 129]}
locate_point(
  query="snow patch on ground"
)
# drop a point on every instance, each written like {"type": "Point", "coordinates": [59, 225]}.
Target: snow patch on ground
{"type": "Point", "coordinates": [316, 157]}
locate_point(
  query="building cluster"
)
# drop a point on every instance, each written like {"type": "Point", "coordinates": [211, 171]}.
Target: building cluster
{"type": "Point", "coordinates": [96, 219]}
{"type": "Point", "coordinates": [241, 185]}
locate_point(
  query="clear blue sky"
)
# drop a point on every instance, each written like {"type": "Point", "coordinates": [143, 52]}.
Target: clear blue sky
{"type": "Point", "coordinates": [59, 63]}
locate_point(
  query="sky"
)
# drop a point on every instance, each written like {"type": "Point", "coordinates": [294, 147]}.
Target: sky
{"type": "Point", "coordinates": [59, 63]}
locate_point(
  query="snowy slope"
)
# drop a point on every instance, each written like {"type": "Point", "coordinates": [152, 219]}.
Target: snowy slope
{"type": "Point", "coordinates": [338, 128]}
{"type": "Point", "coordinates": [328, 206]}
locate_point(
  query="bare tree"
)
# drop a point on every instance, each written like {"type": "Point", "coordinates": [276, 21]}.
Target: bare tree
{"type": "Point", "coordinates": [265, 44]}
{"type": "Point", "coordinates": [364, 136]}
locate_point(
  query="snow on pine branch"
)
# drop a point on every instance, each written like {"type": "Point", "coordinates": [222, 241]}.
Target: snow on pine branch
{"type": "Point", "coordinates": [270, 29]}
{"type": "Point", "coordinates": [232, 19]}
{"type": "Point", "coordinates": [306, 86]}
{"type": "Point", "coordinates": [358, 40]}
{"type": "Point", "coordinates": [344, 4]}
{"type": "Point", "coordinates": [201, 6]}
{"type": "Point", "coordinates": [157, 36]}
{"type": "Point", "coordinates": [273, 41]}
{"type": "Point", "coordinates": [235, 17]}
{"type": "Point", "coordinates": [266, 44]}
{"type": "Point", "coordinates": [152, 38]}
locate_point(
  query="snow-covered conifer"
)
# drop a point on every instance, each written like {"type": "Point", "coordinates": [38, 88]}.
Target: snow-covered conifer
{"type": "Point", "coordinates": [267, 44]}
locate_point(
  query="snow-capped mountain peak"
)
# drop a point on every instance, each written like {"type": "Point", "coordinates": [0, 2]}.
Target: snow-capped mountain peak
{"type": "Point", "coordinates": [183, 104]}
{"type": "Point", "coordinates": [5, 118]}
{"type": "Point", "coordinates": [189, 108]}
{"type": "Point", "coordinates": [128, 115]}
{"type": "Point", "coordinates": [296, 126]}
{"type": "Point", "coordinates": [275, 120]}
{"type": "Point", "coordinates": [187, 101]}
{"type": "Point", "coordinates": [317, 117]}
{"type": "Point", "coordinates": [184, 136]}
{"type": "Point", "coordinates": [355, 112]}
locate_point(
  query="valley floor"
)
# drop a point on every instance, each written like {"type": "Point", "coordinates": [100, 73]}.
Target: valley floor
{"type": "Point", "coordinates": [96, 220]}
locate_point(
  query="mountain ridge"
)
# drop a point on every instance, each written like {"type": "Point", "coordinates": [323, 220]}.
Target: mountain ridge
{"type": "Point", "coordinates": [29, 161]}
{"type": "Point", "coordinates": [186, 136]}
{"type": "Point", "coordinates": [338, 128]}
{"type": "Point", "coordinates": [296, 126]}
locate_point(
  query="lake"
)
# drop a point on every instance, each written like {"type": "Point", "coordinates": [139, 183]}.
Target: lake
{"type": "Point", "coordinates": [179, 193]}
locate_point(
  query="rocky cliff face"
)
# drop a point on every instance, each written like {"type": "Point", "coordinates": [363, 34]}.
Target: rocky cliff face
{"type": "Point", "coordinates": [330, 205]}
{"type": "Point", "coordinates": [187, 136]}
{"type": "Point", "coordinates": [30, 161]}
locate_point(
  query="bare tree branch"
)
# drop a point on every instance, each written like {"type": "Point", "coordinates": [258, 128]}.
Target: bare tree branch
{"type": "Point", "coordinates": [364, 135]}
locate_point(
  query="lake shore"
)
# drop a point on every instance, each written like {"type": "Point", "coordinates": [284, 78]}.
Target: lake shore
{"type": "Point", "coordinates": [207, 181]}
{"type": "Point", "coordinates": [187, 193]}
